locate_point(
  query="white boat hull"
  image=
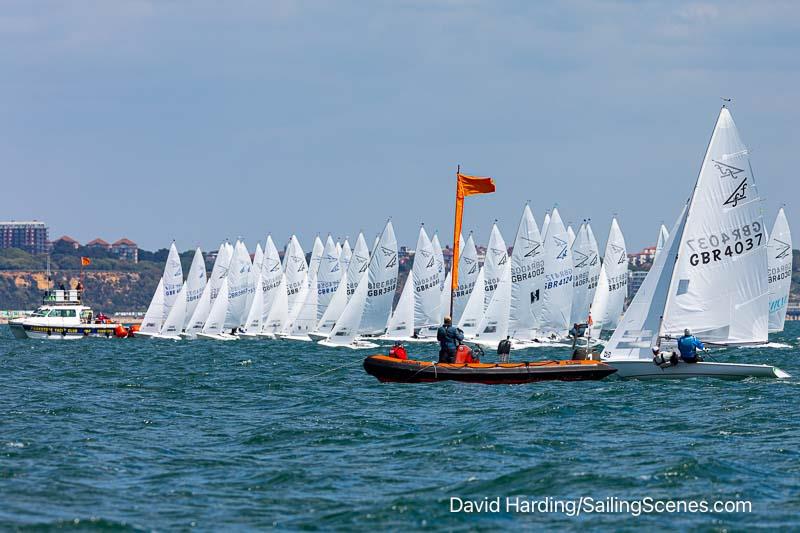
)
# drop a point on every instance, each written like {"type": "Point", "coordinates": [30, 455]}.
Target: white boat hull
{"type": "Point", "coordinates": [644, 369]}
{"type": "Point", "coordinates": [219, 337]}
{"type": "Point", "coordinates": [355, 345]}
{"type": "Point", "coordinates": [303, 338]}
{"type": "Point", "coordinates": [314, 336]}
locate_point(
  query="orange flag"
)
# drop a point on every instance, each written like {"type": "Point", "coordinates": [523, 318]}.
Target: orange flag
{"type": "Point", "coordinates": [466, 186]}
{"type": "Point", "coordinates": [85, 261]}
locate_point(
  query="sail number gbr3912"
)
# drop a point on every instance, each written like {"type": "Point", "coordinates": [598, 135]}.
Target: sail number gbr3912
{"type": "Point", "coordinates": [713, 248]}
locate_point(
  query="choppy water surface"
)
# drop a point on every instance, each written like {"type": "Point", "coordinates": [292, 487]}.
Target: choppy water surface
{"type": "Point", "coordinates": [142, 434]}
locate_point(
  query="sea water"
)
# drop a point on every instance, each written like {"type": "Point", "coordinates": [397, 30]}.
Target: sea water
{"type": "Point", "coordinates": [145, 434]}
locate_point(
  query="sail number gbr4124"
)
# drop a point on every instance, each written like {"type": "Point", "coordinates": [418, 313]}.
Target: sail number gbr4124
{"type": "Point", "coordinates": [713, 248]}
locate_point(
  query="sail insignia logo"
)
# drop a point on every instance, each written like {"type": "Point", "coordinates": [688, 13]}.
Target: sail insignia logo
{"type": "Point", "coordinates": [561, 242]}
{"type": "Point", "coordinates": [474, 268]}
{"type": "Point", "coordinates": [430, 262]}
{"type": "Point", "coordinates": [582, 259]}
{"type": "Point", "coordinates": [740, 192]}
{"type": "Point", "coordinates": [619, 250]}
{"type": "Point", "coordinates": [534, 247]}
{"type": "Point", "coordinates": [502, 254]}
{"type": "Point", "coordinates": [784, 250]}
{"type": "Point", "coordinates": [388, 252]}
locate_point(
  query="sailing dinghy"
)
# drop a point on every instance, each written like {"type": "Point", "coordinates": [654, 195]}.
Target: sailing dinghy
{"type": "Point", "coordinates": [709, 277]}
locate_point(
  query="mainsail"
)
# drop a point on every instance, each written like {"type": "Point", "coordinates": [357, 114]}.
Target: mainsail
{"type": "Point", "coordinates": [527, 278]}
{"type": "Point", "coordinates": [215, 324]}
{"type": "Point", "coordinates": [780, 271]}
{"type": "Point", "coordinates": [359, 263]}
{"type": "Point", "coordinates": [382, 282]}
{"type": "Point", "coordinates": [426, 283]}
{"type": "Point", "coordinates": [586, 269]}
{"type": "Point", "coordinates": [719, 289]}
{"type": "Point", "coordinates": [612, 286]}
{"type": "Point", "coordinates": [173, 279]}
{"type": "Point", "coordinates": [328, 277]}
{"type": "Point", "coordinates": [494, 264]}
{"type": "Point", "coordinates": [663, 235]}
{"type": "Point", "coordinates": [468, 268]}
{"type": "Point", "coordinates": [238, 286]}
{"type": "Point", "coordinates": [557, 296]}
{"type": "Point", "coordinates": [195, 285]}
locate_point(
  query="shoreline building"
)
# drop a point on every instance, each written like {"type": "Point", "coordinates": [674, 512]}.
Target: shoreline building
{"type": "Point", "coordinates": [30, 236]}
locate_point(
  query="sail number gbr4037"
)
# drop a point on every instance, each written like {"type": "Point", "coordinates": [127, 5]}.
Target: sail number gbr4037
{"type": "Point", "coordinates": [714, 248]}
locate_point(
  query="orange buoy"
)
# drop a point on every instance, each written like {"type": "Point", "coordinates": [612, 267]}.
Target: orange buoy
{"type": "Point", "coordinates": [120, 331]}
{"type": "Point", "coordinates": [135, 328]}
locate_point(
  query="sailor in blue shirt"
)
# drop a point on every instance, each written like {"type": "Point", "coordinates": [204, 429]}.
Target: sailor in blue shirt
{"type": "Point", "coordinates": [688, 345]}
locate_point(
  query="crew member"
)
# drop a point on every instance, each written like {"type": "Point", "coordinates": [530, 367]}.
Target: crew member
{"type": "Point", "coordinates": [578, 330]}
{"type": "Point", "coordinates": [449, 338]}
{"type": "Point", "coordinates": [688, 345]}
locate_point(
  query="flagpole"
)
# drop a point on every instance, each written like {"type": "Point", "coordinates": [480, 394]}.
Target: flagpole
{"type": "Point", "coordinates": [454, 262]}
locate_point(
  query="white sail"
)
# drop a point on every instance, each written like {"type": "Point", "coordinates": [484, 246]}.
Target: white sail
{"type": "Point", "coordinates": [344, 257]}
{"type": "Point", "coordinates": [173, 325]}
{"type": "Point", "coordinates": [527, 278]}
{"type": "Point", "coordinates": [303, 318]}
{"type": "Point", "coordinates": [663, 235]}
{"type": "Point", "coordinates": [359, 263]}
{"type": "Point", "coordinates": [296, 270]}
{"type": "Point", "coordinates": [252, 282]}
{"type": "Point", "coordinates": [570, 236]}
{"type": "Point", "coordinates": [218, 273]}
{"type": "Point", "coordinates": [238, 286]}
{"type": "Point", "coordinates": [278, 314]}
{"type": "Point", "coordinates": [494, 264]}
{"type": "Point", "coordinates": [545, 223]}
{"type": "Point", "coordinates": [637, 332]}
{"type": "Point", "coordinates": [347, 327]}
{"type": "Point", "coordinates": [780, 271]}
{"type": "Point", "coordinates": [439, 255]}
{"type": "Point", "coordinates": [557, 292]}
{"type": "Point", "coordinates": [254, 321]}
{"type": "Point", "coordinates": [493, 326]}
{"type": "Point", "coordinates": [585, 271]}
{"type": "Point", "coordinates": [330, 274]}
{"type": "Point", "coordinates": [473, 310]}
{"type": "Point", "coordinates": [612, 287]}
{"type": "Point", "coordinates": [195, 285]}
{"type": "Point", "coordinates": [444, 298]}
{"type": "Point", "coordinates": [382, 280]}
{"type": "Point", "coordinates": [401, 323]}
{"type": "Point", "coordinates": [426, 291]}
{"type": "Point", "coordinates": [173, 279]}
{"type": "Point", "coordinates": [201, 311]}
{"type": "Point", "coordinates": [334, 309]}
{"type": "Point", "coordinates": [468, 268]}
{"type": "Point", "coordinates": [271, 278]}
{"type": "Point", "coordinates": [154, 317]}
{"type": "Point", "coordinates": [719, 290]}
{"type": "Point", "coordinates": [215, 323]}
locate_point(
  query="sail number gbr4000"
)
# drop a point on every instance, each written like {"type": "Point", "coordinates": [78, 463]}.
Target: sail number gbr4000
{"type": "Point", "coordinates": [714, 247]}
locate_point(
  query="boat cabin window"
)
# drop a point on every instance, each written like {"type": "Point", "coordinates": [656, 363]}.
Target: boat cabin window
{"type": "Point", "coordinates": [86, 316]}
{"type": "Point", "coordinates": [40, 312]}
{"type": "Point", "coordinates": [64, 313]}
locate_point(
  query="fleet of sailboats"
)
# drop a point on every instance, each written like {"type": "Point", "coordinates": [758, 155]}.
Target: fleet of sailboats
{"type": "Point", "coordinates": [708, 275]}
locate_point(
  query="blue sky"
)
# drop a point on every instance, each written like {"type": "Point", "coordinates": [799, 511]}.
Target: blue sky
{"type": "Point", "coordinates": [202, 120]}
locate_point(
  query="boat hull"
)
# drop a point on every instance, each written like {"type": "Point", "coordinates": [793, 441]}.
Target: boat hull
{"type": "Point", "coordinates": [355, 345]}
{"type": "Point", "coordinates": [644, 369]}
{"type": "Point", "coordinates": [217, 337]}
{"type": "Point", "coordinates": [391, 369]}
{"type": "Point", "coordinates": [29, 331]}
{"type": "Point", "coordinates": [314, 336]}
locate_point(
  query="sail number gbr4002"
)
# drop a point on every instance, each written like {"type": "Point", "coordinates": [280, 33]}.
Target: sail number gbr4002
{"type": "Point", "coordinates": [714, 248]}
